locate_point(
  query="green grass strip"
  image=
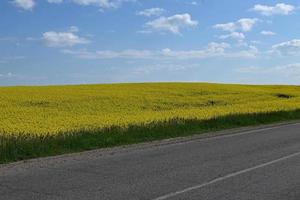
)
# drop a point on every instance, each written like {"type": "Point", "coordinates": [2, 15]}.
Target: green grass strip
{"type": "Point", "coordinates": [21, 147]}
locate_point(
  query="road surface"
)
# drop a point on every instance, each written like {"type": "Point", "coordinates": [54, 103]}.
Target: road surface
{"type": "Point", "coordinates": [253, 164]}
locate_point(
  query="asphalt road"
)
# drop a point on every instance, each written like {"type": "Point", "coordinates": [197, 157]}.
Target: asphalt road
{"type": "Point", "coordinates": [256, 164]}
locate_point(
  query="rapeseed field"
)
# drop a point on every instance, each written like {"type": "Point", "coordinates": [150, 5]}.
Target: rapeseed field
{"type": "Point", "coordinates": [40, 120]}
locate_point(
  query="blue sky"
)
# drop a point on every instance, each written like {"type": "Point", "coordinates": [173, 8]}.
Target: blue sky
{"type": "Point", "coordinates": [103, 41]}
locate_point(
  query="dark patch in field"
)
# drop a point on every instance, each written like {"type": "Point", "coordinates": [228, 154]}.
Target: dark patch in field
{"type": "Point", "coordinates": [206, 93]}
{"type": "Point", "coordinates": [171, 106]}
{"type": "Point", "coordinates": [37, 104]}
{"type": "Point", "coordinates": [212, 103]}
{"type": "Point", "coordinates": [283, 96]}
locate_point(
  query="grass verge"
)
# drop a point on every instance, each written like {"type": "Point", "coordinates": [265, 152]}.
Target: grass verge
{"type": "Point", "coordinates": [21, 147]}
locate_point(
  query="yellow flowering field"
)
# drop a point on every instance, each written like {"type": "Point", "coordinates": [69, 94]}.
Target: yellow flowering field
{"type": "Point", "coordinates": [49, 120]}
{"type": "Point", "coordinates": [56, 109]}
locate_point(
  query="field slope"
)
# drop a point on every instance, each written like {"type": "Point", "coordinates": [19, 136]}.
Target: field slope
{"type": "Point", "coordinates": [50, 120]}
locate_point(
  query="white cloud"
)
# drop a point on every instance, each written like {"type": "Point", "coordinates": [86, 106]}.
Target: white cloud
{"type": "Point", "coordinates": [211, 50]}
{"type": "Point", "coordinates": [289, 70]}
{"type": "Point", "coordinates": [7, 75]}
{"type": "Point", "coordinates": [63, 39]}
{"type": "Point", "coordinates": [268, 33]}
{"type": "Point", "coordinates": [168, 66]}
{"type": "Point", "coordinates": [256, 42]}
{"type": "Point", "coordinates": [55, 1]}
{"type": "Point", "coordinates": [171, 24]}
{"type": "Point", "coordinates": [231, 26]}
{"type": "Point", "coordinates": [250, 52]}
{"type": "Point", "coordinates": [102, 3]}
{"type": "Point", "coordinates": [234, 35]}
{"type": "Point", "coordinates": [291, 47]}
{"type": "Point", "coordinates": [24, 4]}
{"type": "Point", "coordinates": [244, 25]}
{"type": "Point", "coordinates": [278, 9]}
{"type": "Point", "coordinates": [130, 53]}
{"type": "Point", "coordinates": [151, 12]}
